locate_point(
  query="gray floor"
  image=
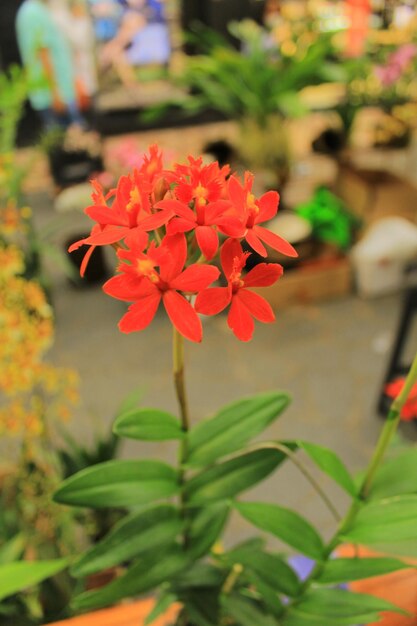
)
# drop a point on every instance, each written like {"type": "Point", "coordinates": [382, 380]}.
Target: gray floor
{"type": "Point", "coordinates": [331, 358]}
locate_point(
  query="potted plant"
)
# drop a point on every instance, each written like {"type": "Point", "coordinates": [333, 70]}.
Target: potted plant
{"type": "Point", "coordinates": [166, 227]}
{"type": "Point", "coordinates": [257, 86]}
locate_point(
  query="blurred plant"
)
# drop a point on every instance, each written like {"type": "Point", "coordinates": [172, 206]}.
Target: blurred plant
{"type": "Point", "coordinates": [258, 87]}
{"type": "Point", "coordinates": [330, 219]}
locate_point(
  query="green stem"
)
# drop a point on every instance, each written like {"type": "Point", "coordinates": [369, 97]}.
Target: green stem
{"type": "Point", "coordinates": [303, 469]}
{"type": "Point", "coordinates": [384, 440]}
{"type": "Point", "coordinates": [179, 382]}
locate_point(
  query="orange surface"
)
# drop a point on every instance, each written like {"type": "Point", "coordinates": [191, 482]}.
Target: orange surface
{"type": "Point", "coordinates": [400, 588]}
{"type": "Point", "coordinates": [123, 615]}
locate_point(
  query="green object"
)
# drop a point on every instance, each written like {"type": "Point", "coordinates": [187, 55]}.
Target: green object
{"type": "Point", "coordinates": [331, 221]}
{"type": "Point", "coordinates": [15, 577]}
{"type": "Point", "coordinates": [148, 425]}
{"type": "Point", "coordinates": [233, 427]}
{"type": "Point", "coordinates": [119, 483]}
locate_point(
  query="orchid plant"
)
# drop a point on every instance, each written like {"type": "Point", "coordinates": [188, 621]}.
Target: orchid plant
{"type": "Point", "coordinates": [168, 228]}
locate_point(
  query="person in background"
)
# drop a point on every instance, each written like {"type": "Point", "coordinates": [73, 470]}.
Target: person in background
{"type": "Point", "coordinates": [142, 39]}
{"type": "Point", "coordinates": [47, 58]}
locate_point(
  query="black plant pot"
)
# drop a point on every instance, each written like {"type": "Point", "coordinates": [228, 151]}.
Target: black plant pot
{"type": "Point", "coordinates": [72, 167]}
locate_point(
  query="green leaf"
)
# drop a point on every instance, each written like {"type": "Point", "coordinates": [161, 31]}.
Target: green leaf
{"type": "Point", "coordinates": [270, 568]}
{"type": "Point", "coordinates": [148, 425]}
{"type": "Point", "coordinates": [202, 606]}
{"type": "Point", "coordinates": [163, 603]}
{"type": "Point", "coordinates": [285, 524]}
{"type": "Point", "coordinates": [345, 569]}
{"type": "Point", "coordinates": [130, 402]}
{"type": "Point", "coordinates": [136, 534]}
{"type": "Point", "coordinates": [397, 476]}
{"type": "Point", "coordinates": [15, 577]}
{"type": "Point", "coordinates": [227, 479]}
{"type": "Point", "coordinates": [392, 520]}
{"type": "Point", "coordinates": [337, 607]}
{"type": "Point", "coordinates": [200, 575]}
{"type": "Point", "coordinates": [156, 568]}
{"type": "Point", "coordinates": [233, 427]}
{"type": "Point", "coordinates": [330, 464]}
{"type": "Point", "coordinates": [119, 483]}
{"type": "Point", "coordinates": [245, 612]}
{"type": "Point", "coordinates": [206, 525]}
{"type": "Point", "coordinates": [13, 549]}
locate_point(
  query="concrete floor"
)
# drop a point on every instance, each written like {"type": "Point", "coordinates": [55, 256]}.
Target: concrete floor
{"type": "Point", "coordinates": [331, 357]}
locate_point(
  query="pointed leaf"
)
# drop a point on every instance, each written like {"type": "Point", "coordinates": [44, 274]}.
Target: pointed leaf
{"type": "Point", "coordinates": [233, 427]}
{"type": "Point", "coordinates": [148, 425]}
{"type": "Point", "coordinates": [245, 612]}
{"type": "Point", "coordinates": [338, 608]}
{"type": "Point", "coordinates": [134, 535]}
{"type": "Point", "coordinates": [163, 603]}
{"type": "Point", "coordinates": [12, 549]}
{"type": "Point", "coordinates": [119, 483]}
{"type": "Point", "coordinates": [130, 402]}
{"type": "Point", "coordinates": [330, 464]}
{"type": "Point", "coordinates": [285, 524]}
{"type": "Point", "coordinates": [206, 525]}
{"type": "Point", "coordinates": [344, 569]}
{"type": "Point", "coordinates": [391, 520]}
{"type": "Point", "coordinates": [154, 569]}
{"type": "Point", "coordinates": [15, 577]}
{"type": "Point", "coordinates": [396, 476]}
{"type": "Point", "coordinates": [227, 479]}
{"type": "Point", "coordinates": [271, 568]}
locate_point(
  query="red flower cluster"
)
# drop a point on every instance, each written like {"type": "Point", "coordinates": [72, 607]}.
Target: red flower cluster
{"type": "Point", "coordinates": [409, 410]}
{"type": "Point", "coordinates": [166, 226]}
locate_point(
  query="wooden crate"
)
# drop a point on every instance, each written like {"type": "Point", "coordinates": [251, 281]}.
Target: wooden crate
{"type": "Point", "coordinates": [312, 282]}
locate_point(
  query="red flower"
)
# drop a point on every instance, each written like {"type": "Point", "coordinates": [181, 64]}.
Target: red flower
{"type": "Point", "coordinates": [204, 186]}
{"type": "Point", "coordinates": [141, 283]}
{"type": "Point", "coordinates": [252, 212]}
{"type": "Point", "coordinates": [245, 304]}
{"type": "Point", "coordinates": [409, 410]}
{"type": "Point", "coordinates": [132, 209]}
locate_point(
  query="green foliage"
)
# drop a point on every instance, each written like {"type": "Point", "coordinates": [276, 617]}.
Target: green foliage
{"type": "Point", "coordinates": [344, 569]}
{"type": "Point", "coordinates": [336, 607]}
{"type": "Point", "coordinates": [233, 427]}
{"type": "Point", "coordinates": [119, 483]}
{"type": "Point", "coordinates": [13, 93]}
{"type": "Point", "coordinates": [284, 524]}
{"type": "Point", "coordinates": [228, 479]}
{"type": "Point", "coordinates": [396, 476]}
{"type": "Point", "coordinates": [134, 535]}
{"type": "Point", "coordinates": [153, 569]}
{"type": "Point", "coordinates": [148, 425]}
{"type": "Point", "coordinates": [205, 527]}
{"type": "Point", "coordinates": [330, 464]}
{"type": "Point", "coordinates": [17, 576]}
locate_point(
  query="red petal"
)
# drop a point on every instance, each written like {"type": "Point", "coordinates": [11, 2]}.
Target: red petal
{"type": "Point", "coordinates": [110, 234]}
{"type": "Point", "coordinates": [86, 259]}
{"type": "Point", "coordinates": [156, 220]}
{"type": "Point", "coordinates": [256, 305]}
{"type": "Point", "coordinates": [183, 316]}
{"type": "Point", "coordinates": [207, 240]}
{"type": "Point", "coordinates": [240, 321]}
{"type": "Point", "coordinates": [255, 242]}
{"type": "Point", "coordinates": [268, 205]}
{"type": "Point", "coordinates": [237, 193]}
{"type": "Point", "coordinates": [212, 301]}
{"type": "Point", "coordinates": [77, 244]}
{"type": "Point", "coordinates": [216, 210]}
{"type": "Point", "coordinates": [230, 249]}
{"type": "Point", "coordinates": [274, 241]}
{"type": "Point", "coordinates": [104, 215]}
{"type": "Point", "coordinates": [263, 275]}
{"type": "Point", "coordinates": [178, 208]}
{"type": "Point", "coordinates": [136, 239]}
{"type": "Point", "coordinates": [141, 313]}
{"type": "Point", "coordinates": [195, 278]}
{"type": "Point", "coordinates": [176, 245]}
{"type": "Point", "coordinates": [128, 288]}
{"type": "Point", "coordinates": [179, 225]}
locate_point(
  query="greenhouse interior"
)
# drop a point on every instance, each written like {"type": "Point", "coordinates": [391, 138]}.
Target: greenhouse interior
{"type": "Point", "coordinates": [208, 312]}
